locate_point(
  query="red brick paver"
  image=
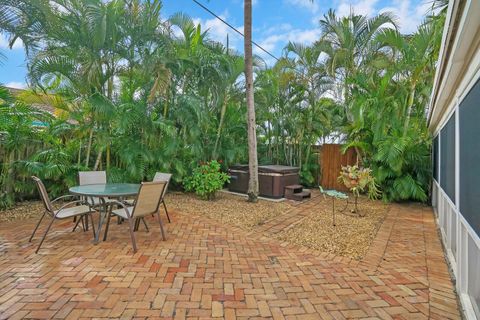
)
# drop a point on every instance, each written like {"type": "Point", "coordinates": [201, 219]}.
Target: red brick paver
{"type": "Point", "coordinates": [207, 270]}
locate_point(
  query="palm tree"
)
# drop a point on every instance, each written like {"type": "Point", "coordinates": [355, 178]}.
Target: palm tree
{"type": "Point", "coordinates": [251, 123]}
{"type": "Point", "coordinates": [313, 82]}
{"type": "Point", "coordinates": [350, 45]}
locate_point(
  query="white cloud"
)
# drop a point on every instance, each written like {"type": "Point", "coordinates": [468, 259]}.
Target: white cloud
{"type": "Point", "coordinates": [363, 7]}
{"type": "Point", "coordinates": [277, 28]}
{"type": "Point", "coordinates": [305, 36]}
{"type": "Point", "coordinates": [409, 16]}
{"type": "Point", "coordinates": [218, 31]}
{"type": "Point", "coordinates": [305, 4]}
{"type": "Point", "coordinates": [4, 43]}
{"type": "Point", "coordinates": [16, 85]}
{"type": "Point", "coordinates": [275, 42]}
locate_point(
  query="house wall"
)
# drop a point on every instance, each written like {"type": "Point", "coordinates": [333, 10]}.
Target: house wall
{"type": "Point", "coordinates": [454, 121]}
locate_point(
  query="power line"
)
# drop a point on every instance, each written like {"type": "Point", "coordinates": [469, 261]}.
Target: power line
{"type": "Point", "coordinates": [233, 28]}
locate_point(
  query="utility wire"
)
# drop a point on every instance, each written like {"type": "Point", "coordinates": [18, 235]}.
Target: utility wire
{"type": "Point", "coordinates": [233, 28]}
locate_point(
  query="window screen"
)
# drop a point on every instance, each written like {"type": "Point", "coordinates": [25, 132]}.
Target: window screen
{"type": "Point", "coordinates": [447, 158]}
{"type": "Point", "coordinates": [470, 157]}
{"type": "Point", "coordinates": [435, 158]}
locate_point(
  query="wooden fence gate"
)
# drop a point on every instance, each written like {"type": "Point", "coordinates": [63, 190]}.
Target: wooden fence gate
{"type": "Point", "coordinates": [331, 161]}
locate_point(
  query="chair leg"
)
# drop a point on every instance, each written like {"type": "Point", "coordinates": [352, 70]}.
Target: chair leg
{"type": "Point", "coordinates": [83, 223]}
{"type": "Point", "coordinates": [161, 226]}
{"type": "Point", "coordinates": [132, 235]}
{"type": "Point", "coordinates": [166, 211]}
{"type": "Point", "coordinates": [93, 225]}
{"type": "Point", "coordinates": [36, 227]}
{"type": "Point", "coordinates": [45, 235]}
{"type": "Point", "coordinates": [86, 221]}
{"type": "Point", "coordinates": [76, 224]}
{"type": "Point", "coordinates": [145, 224]}
{"type": "Point", "coordinates": [108, 224]}
{"type": "Point", "coordinates": [136, 224]}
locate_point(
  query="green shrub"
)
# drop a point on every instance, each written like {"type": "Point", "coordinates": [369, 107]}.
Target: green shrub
{"type": "Point", "coordinates": [206, 180]}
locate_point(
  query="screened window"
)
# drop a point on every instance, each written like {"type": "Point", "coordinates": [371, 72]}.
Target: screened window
{"type": "Point", "coordinates": [447, 158]}
{"type": "Point", "coordinates": [470, 157]}
{"type": "Point", "coordinates": [435, 158]}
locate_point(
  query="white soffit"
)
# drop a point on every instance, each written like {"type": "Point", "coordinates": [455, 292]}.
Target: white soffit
{"type": "Point", "coordinates": [459, 63]}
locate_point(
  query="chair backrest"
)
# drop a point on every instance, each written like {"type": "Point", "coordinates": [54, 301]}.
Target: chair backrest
{"type": "Point", "coordinates": [149, 198]}
{"type": "Point", "coordinates": [43, 195]}
{"type": "Point", "coordinates": [92, 177]}
{"type": "Point", "coordinates": [161, 176]}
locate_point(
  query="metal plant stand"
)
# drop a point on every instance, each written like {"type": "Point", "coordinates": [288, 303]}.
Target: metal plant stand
{"type": "Point", "coordinates": [355, 203]}
{"type": "Point", "coordinates": [334, 194]}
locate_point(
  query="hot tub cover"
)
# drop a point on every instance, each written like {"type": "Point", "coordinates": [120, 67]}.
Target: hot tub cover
{"type": "Point", "coordinates": [267, 168]}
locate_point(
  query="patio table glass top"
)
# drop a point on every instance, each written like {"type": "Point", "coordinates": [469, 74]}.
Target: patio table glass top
{"type": "Point", "coordinates": [106, 190]}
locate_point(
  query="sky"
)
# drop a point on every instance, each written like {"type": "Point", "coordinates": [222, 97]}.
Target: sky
{"type": "Point", "coordinates": [275, 23]}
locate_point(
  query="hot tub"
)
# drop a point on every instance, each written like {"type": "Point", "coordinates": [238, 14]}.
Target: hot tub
{"type": "Point", "coordinates": [272, 179]}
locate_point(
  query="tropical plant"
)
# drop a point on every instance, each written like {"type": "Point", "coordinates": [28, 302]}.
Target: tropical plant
{"type": "Point", "coordinates": [146, 94]}
{"type": "Point", "coordinates": [206, 180]}
{"type": "Point", "coordinates": [359, 180]}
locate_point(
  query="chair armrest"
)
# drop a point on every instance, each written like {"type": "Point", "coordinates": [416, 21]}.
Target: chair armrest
{"type": "Point", "coordinates": [70, 203]}
{"type": "Point", "coordinates": [122, 205]}
{"type": "Point", "coordinates": [127, 201]}
{"type": "Point", "coordinates": [62, 197]}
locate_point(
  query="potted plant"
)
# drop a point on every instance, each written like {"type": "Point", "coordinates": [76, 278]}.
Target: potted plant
{"type": "Point", "coordinates": [206, 180]}
{"type": "Point", "coordinates": [359, 180]}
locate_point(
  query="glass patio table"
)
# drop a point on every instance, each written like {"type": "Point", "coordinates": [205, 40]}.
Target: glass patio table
{"type": "Point", "coordinates": [103, 191]}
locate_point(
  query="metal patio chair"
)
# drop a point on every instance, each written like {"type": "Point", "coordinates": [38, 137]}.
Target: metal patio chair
{"type": "Point", "coordinates": [66, 211]}
{"type": "Point", "coordinates": [148, 201]}
{"type": "Point", "coordinates": [93, 177]}
{"type": "Point", "coordinates": [159, 176]}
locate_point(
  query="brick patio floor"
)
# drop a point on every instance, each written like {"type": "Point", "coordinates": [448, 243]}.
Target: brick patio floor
{"type": "Point", "coordinates": [207, 270]}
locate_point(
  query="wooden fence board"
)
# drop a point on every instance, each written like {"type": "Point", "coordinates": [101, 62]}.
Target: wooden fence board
{"type": "Point", "coordinates": [331, 161]}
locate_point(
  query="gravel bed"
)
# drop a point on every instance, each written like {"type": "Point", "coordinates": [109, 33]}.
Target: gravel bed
{"type": "Point", "coordinates": [22, 211]}
{"type": "Point", "coordinates": [350, 237]}
{"type": "Point", "coordinates": [228, 208]}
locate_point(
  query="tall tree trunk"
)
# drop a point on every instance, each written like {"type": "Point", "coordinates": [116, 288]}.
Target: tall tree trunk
{"type": "Point", "coordinates": [107, 157]}
{"type": "Point", "coordinates": [97, 162]}
{"type": "Point", "coordinates": [10, 175]}
{"type": "Point", "coordinates": [220, 126]}
{"type": "Point", "coordinates": [89, 147]}
{"type": "Point", "coordinates": [411, 99]}
{"type": "Point", "coordinates": [251, 124]}
{"type": "Point", "coordinates": [79, 159]}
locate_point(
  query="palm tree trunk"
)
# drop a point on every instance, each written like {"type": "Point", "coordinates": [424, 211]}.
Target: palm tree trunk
{"type": "Point", "coordinates": [107, 157]}
{"type": "Point", "coordinates": [251, 123]}
{"type": "Point", "coordinates": [220, 125]}
{"type": "Point", "coordinates": [411, 99]}
{"type": "Point", "coordinates": [89, 147]}
{"type": "Point", "coordinates": [79, 158]}
{"type": "Point", "coordinates": [10, 174]}
{"type": "Point", "coordinates": [97, 162]}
